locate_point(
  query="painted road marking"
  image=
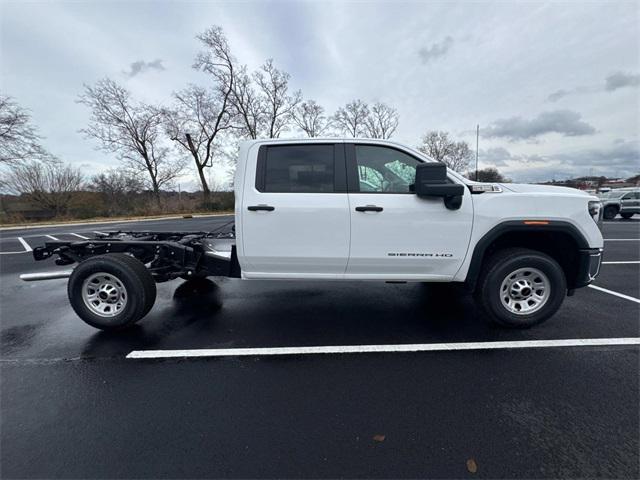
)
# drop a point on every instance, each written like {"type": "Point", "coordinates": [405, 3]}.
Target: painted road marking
{"type": "Point", "coordinates": [417, 347]}
{"type": "Point", "coordinates": [611, 292]}
{"type": "Point", "coordinates": [52, 238]}
{"type": "Point", "coordinates": [99, 233]}
{"type": "Point", "coordinates": [621, 263]}
{"type": "Point", "coordinates": [79, 236]}
{"type": "Point", "coordinates": [26, 246]}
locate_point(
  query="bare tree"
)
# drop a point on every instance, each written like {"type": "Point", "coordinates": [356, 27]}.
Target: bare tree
{"type": "Point", "coordinates": [351, 119]}
{"type": "Point", "coordinates": [194, 123]}
{"type": "Point", "coordinates": [19, 139]}
{"type": "Point", "coordinates": [489, 175]}
{"type": "Point", "coordinates": [279, 106]}
{"type": "Point", "coordinates": [117, 188]}
{"type": "Point", "coordinates": [216, 59]}
{"type": "Point", "coordinates": [440, 147]}
{"type": "Point", "coordinates": [232, 81]}
{"type": "Point", "coordinates": [310, 118]}
{"type": "Point", "coordinates": [247, 105]}
{"type": "Point", "coordinates": [382, 121]}
{"type": "Point", "coordinates": [132, 131]}
{"type": "Point", "coordinates": [49, 184]}
{"type": "Point", "coordinates": [260, 103]}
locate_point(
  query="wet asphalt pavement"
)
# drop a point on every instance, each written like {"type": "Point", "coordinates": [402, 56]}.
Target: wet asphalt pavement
{"type": "Point", "coordinates": [72, 405]}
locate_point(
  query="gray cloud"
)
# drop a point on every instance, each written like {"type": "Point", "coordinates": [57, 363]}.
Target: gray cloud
{"type": "Point", "coordinates": [435, 50]}
{"type": "Point", "coordinates": [140, 66]}
{"type": "Point", "coordinates": [557, 95]}
{"type": "Point", "coordinates": [612, 82]}
{"type": "Point", "coordinates": [497, 156]}
{"type": "Point", "coordinates": [622, 158]}
{"type": "Point", "coordinates": [622, 155]}
{"type": "Point", "coordinates": [621, 80]}
{"type": "Point", "coordinates": [564, 122]}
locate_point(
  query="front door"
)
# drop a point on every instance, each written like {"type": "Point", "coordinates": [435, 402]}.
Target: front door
{"type": "Point", "coordinates": [395, 234]}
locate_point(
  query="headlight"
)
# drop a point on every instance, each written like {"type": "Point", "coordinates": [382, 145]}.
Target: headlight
{"type": "Point", "coordinates": [595, 210]}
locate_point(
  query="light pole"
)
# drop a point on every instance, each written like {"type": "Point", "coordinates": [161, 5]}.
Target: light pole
{"type": "Point", "coordinates": [477, 141]}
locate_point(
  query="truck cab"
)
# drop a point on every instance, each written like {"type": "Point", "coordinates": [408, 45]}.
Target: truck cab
{"type": "Point", "coordinates": [348, 210]}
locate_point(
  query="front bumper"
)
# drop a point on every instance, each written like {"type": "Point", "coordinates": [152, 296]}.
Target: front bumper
{"type": "Point", "coordinates": [589, 261]}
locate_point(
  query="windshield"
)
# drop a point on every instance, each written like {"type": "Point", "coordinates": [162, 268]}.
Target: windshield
{"type": "Point", "coordinates": [613, 194]}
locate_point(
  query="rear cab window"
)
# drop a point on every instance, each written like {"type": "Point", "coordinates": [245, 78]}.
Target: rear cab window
{"type": "Point", "coordinates": [303, 168]}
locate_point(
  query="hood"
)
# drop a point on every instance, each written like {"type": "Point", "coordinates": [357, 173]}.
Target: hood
{"type": "Point", "coordinates": [552, 189]}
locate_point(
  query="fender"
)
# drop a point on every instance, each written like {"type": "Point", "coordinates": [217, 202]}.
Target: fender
{"type": "Point", "coordinates": [518, 226]}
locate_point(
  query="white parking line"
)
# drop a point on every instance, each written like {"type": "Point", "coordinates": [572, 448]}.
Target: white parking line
{"type": "Point", "coordinates": [79, 236]}
{"type": "Point", "coordinates": [611, 292]}
{"type": "Point", "coordinates": [52, 238]}
{"type": "Point", "coordinates": [621, 263]}
{"type": "Point", "coordinates": [416, 347]}
{"type": "Point", "coordinates": [26, 246]}
{"type": "Point", "coordinates": [99, 233]}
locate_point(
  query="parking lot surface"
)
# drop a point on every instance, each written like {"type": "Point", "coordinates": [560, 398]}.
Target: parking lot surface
{"type": "Point", "coordinates": [74, 406]}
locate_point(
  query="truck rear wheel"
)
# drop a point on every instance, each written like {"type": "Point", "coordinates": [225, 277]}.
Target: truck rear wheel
{"type": "Point", "coordinates": [111, 291]}
{"type": "Point", "coordinates": [610, 213]}
{"type": "Point", "coordinates": [520, 288]}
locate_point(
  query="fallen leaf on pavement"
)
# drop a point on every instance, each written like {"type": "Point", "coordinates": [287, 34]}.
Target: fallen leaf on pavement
{"type": "Point", "coordinates": [472, 466]}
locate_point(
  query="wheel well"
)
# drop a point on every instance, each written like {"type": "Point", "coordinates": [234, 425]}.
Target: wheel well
{"type": "Point", "coordinates": [614, 206]}
{"type": "Point", "coordinates": [560, 246]}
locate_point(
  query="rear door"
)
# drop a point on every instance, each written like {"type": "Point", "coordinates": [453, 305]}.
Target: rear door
{"type": "Point", "coordinates": [295, 212]}
{"type": "Point", "coordinates": [395, 234]}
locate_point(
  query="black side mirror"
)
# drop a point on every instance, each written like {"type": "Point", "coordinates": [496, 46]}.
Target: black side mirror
{"type": "Point", "coordinates": [431, 181]}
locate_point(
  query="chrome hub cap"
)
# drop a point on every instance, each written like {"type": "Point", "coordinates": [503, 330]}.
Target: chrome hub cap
{"type": "Point", "coordinates": [525, 291]}
{"type": "Point", "coordinates": [104, 294]}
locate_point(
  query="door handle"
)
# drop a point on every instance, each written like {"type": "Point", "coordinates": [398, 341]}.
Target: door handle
{"type": "Point", "coordinates": [369, 208]}
{"type": "Point", "coordinates": [256, 208]}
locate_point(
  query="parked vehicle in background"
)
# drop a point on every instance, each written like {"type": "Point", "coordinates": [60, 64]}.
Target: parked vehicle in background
{"type": "Point", "coordinates": [623, 201]}
{"type": "Point", "coordinates": [356, 209]}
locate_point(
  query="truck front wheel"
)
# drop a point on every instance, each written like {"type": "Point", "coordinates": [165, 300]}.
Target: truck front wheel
{"type": "Point", "coordinates": [520, 288]}
{"type": "Point", "coordinates": [111, 291]}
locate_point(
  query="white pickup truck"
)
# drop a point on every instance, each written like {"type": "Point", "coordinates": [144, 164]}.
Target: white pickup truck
{"type": "Point", "coordinates": [355, 209]}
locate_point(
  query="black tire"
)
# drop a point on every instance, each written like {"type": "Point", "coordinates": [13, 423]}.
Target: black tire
{"type": "Point", "coordinates": [610, 212]}
{"type": "Point", "coordinates": [126, 271]}
{"type": "Point", "coordinates": [626, 215]}
{"type": "Point", "coordinates": [502, 265]}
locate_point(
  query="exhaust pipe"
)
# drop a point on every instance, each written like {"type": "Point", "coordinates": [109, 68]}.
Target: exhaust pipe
{"type": "Point", "coordinates": [35, 277]}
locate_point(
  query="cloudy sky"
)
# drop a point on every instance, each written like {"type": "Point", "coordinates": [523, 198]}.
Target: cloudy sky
{"type": "Point", "coordinates": [555, 87]}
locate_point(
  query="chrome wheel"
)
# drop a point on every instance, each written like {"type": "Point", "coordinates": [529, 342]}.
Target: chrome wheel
{"type": "Point", "coordinates": [525, 291]}
{"type": "Point", "coordinates": [104, 294]}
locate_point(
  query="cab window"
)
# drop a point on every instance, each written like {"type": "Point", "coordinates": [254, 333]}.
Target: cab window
{"type": "Point", "coordinates": [385, 170]}
{"type": "Point", "coordinates": [298, 169]}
